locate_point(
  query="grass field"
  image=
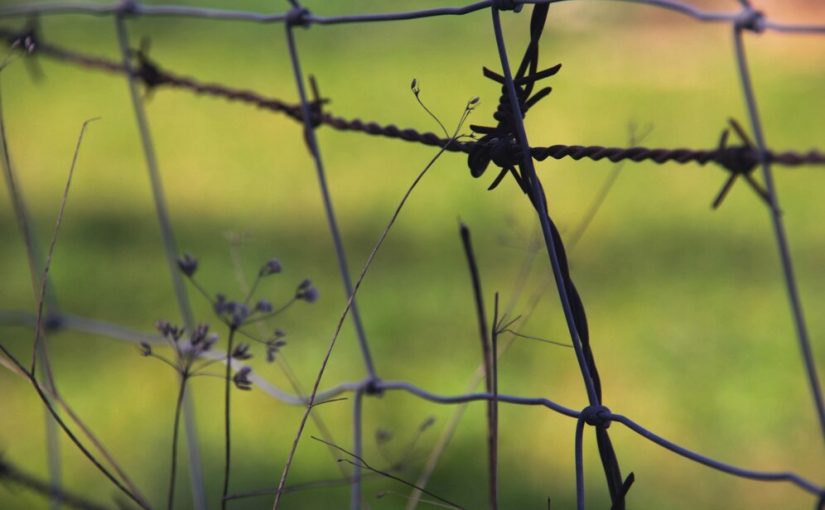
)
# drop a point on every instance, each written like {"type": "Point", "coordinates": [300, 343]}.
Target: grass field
{"type": "Point", "coordinates": [688, 312]}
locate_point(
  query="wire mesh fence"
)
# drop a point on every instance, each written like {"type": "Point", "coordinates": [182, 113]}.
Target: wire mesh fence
{"type": "Point", "coordinates": [501, 146]}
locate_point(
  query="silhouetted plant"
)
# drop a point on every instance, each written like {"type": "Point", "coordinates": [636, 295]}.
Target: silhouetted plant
{"type": "Point", "coordinates": [236, 314]}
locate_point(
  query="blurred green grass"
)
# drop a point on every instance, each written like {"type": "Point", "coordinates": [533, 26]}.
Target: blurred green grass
{"type": "Point", "coordinates": [689, 320]}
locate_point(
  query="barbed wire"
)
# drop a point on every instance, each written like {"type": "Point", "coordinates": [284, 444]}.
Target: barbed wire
{"type": "Point", "coordinates": [153, 76]}
{"type": "Point", "coordinates": [504, 145]}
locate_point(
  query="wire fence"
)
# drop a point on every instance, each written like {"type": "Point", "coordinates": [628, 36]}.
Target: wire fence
{"type": "Point", "coordinates": [505, 145]}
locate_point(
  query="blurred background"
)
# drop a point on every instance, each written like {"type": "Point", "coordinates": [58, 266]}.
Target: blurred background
{"type": "Point", "coordinates": [688, 312]}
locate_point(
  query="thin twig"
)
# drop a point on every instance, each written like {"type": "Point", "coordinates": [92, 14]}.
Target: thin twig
{"type": "Point", "coordinates": [357, 442]}
{"type": "Point", "coordinates": [280, 360]}
{"type": "Point", "coordinates": [343, 316]}
{"type": "Point", "coordinates": [298, 487]}
{"type": "Point", "coordinates": [494, 406]}
{"type": "Point", "coordinates": [447, 434]}
{"type": "Point", "coordinates": [598, 201]}
{"type": "Point", "coordinates": [484, 335]}
{"type": "Point", "coordinates": [35, 268]}
{"type": "Point", "coordinates": [226, 416]}
{"type": "Point", "coordinates": [12, 475]}
{"type": "Point", "coordinates": [43, 397]}
{"type": "Point", "coordinates": [363, 463]}
{"type": "Point", "coordinates": [41, 295]}
{"type": "Point", "coordinates": [537, 339]}
{"type": "Point", "coordinates": [170, 500]}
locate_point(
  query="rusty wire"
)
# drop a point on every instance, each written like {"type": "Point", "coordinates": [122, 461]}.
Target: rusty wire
{"type": "Point", "coordinates": [153, 76]}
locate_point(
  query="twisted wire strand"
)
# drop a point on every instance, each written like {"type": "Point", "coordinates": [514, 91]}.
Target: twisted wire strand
{"type": "Point", "coordinates": [153, 77]}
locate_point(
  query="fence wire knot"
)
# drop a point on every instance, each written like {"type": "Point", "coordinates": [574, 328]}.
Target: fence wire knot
{"type": "Point", "coordinates": [596, 416]}
{"type": "Point", "coordinates": [297, 17]}
{"type": "Point", "coordinates": [127, 7]}
{"type": "Point", "coordinates": [507, 5]}
{"type": "Point", "coordinates": [751, 19]}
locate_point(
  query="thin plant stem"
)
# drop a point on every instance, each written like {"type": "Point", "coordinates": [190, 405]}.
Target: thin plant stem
{"type": "Point", "coordinates": [43, 397]}
{"type": "Point", "coordinates": [449, 431]}
{"type": "Point", "coordinates": [363, 463]}
{"type": "Point", "coordinates": [573, 239]}
{"type": "Point", "coordinates": [99, 446]}
{"type": "Point", "coordinates": [170, 500]}
{"type": "Point", "coordinates": [35, 265]}
{"type": "Point", "coordinates": [281, 361]}
{"type": "Point", "coordinates": [494, 406]}
{"type": "Point", "coordinates": [305, 486]}
{"type": "Point", "coordinates": [484, 336]}
{"type": "Point", "coordinates": [11, 475]}
{"type": "Point", "coordinates": [357, 443]}
{"type": "Point", "coordinates": [537, 339]}
{"type": "Point", "coordinates": [226, 416]}
{"type": "Point", "coordinates": [330, 347]}
{"type": "Point", "coordinates": [41, 295]}
{"type": "Point", "coordinates": [104, 452]}
{"type": "Point", "coordinates": [252, 288]}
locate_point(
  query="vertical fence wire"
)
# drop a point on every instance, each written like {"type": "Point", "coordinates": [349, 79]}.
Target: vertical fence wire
{"type": "Point", "coordinates": [312, 147]}
{"type": "Point", "coordinates": [170, 253]}
{"type": "Point", "coordinates": [776, 220]}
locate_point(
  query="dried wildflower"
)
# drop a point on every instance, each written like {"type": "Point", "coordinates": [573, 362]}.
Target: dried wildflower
{"type": "Point", "coordinates": [241, 379]}
{"type": "Point", "coordinates": [263, 306]}
{"type": "Point", "coordinates": [233, 312]}
{"type": "Point", "coordinates": [188, 264]}
{"type": "Point", "coordinates": [200, 333]}
{"type": "Point", "coordinates": [239, 314]}
{"type": "Point", "coordinates": [220, 304]}
{"type": "Point", "coordinates": [201, 340]}
{"type": "Point", "coordinates": [273, 345]}
{"type": "Point", "coordinates": [241, 352]}
{"type": "Point", "coordinates": [188, 353]}
{"type": "Point", "coordinates": [272, 266]}
{"type": "Point", "coordinates": [307, 292]}
{"type": "Point", "coordinates": [169, 330]}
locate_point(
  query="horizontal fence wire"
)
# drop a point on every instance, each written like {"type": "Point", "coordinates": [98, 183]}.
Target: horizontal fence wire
{"type": "Point", "coordinates": [504, 145]}
{"type": "Point", "coordinates": [153, 76]}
